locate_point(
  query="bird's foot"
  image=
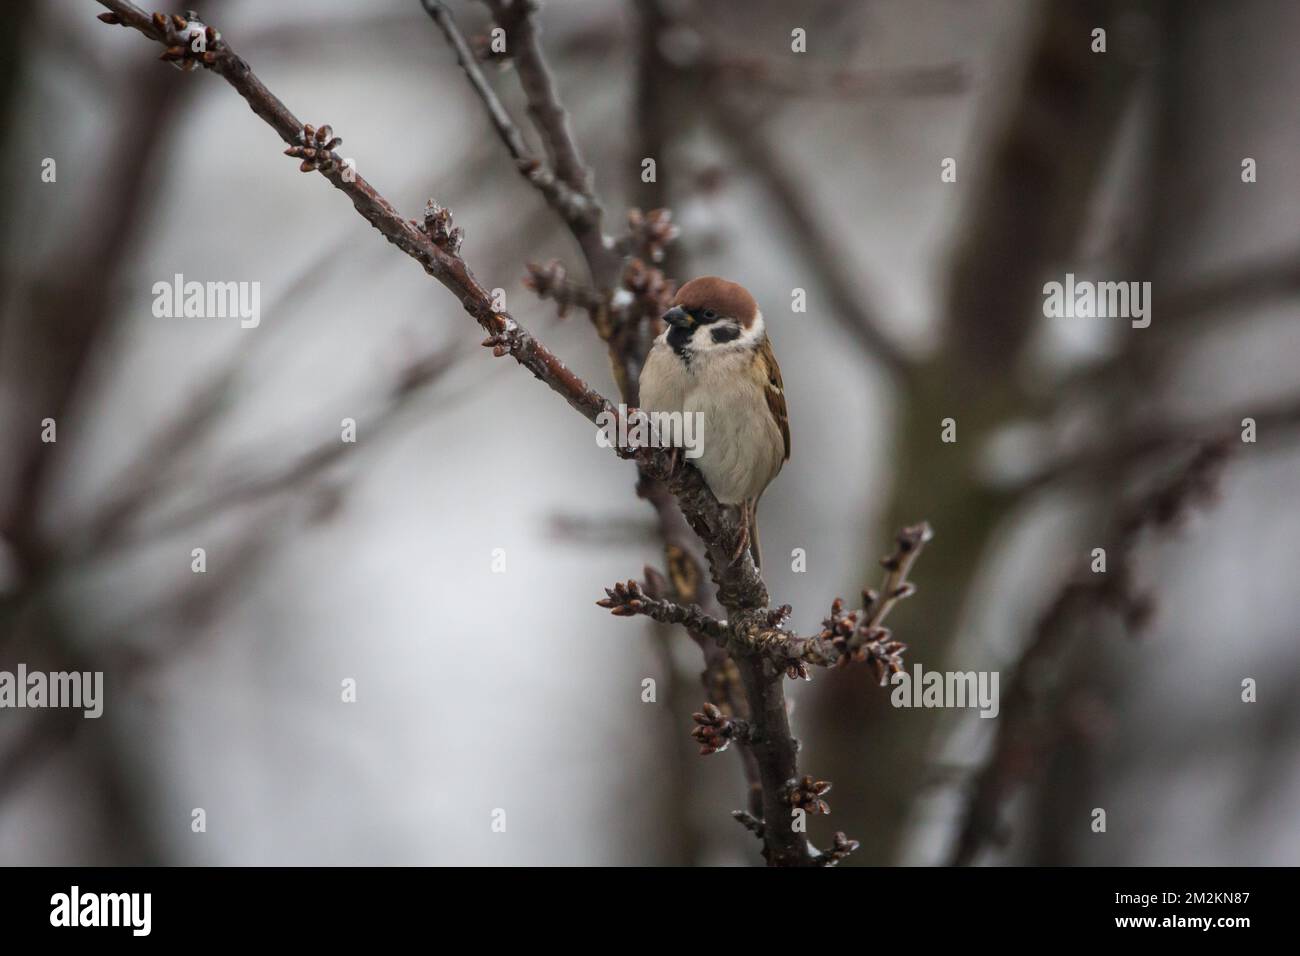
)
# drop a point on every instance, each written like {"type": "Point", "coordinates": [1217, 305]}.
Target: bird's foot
{"type": "Point", "coordinates": [742, 544]}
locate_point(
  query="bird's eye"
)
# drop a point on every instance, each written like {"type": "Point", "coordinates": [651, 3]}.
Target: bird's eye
{"type": "Point", "coordinates": [709, 315]}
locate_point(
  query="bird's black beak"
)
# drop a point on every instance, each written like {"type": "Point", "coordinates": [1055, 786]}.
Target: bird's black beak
{"type": "Point", "coordinates": [679, 317]}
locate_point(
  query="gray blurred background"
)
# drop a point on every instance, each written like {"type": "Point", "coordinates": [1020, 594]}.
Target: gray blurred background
{"type": "Point", "coordinates": [373, 562]}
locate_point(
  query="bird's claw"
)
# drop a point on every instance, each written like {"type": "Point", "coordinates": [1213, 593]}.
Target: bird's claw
{"type": "Point", "coordinates": [742, 545]}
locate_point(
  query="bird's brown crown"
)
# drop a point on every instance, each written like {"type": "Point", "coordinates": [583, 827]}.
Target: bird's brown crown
{"type": "Point", "coordinates": [728, 299]}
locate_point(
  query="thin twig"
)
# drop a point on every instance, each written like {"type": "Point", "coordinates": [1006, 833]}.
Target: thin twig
{"type": "Point", "coordinates": [626, 600]}
{"type": "Point", "coordinates": [517, 18]}
{"type": "Point", "coordinates": [573, 205]}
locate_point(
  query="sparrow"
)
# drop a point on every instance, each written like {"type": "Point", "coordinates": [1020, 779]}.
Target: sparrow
{"type": "Point", "coordinates": [714, 358]}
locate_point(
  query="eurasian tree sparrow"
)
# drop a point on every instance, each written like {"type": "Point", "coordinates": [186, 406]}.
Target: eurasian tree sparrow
{"type": "Point", "coordinates": [715, 358]}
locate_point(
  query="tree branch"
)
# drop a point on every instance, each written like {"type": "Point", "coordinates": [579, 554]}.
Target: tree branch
{"type": "Point", "coordinates": [626, 600]}
{"type": "Point", "coordinates": [506, 335]}
{"type": "Point", "coordinates": [517, 19]}
{"type": "Point", "coordinates": [569, 188]}
{"type": "Point", "coordinates": [574, 206]}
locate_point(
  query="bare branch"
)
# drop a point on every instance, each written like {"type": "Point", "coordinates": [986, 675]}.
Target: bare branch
{"type": "Point", "coordinates": [517, 18]}
{"type": "Point", "coordinates": [573, 205]}
{"type": "Point", "coordinates": [626, 600]}
{"type": "Point", "coordinates": [580, 208]}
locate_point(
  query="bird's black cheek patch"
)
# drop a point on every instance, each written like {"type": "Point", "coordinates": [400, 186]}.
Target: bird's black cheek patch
{"type": "Point", "coordinates": [727, 333]}
{"type": "Point", "coordinates": [680, 340]}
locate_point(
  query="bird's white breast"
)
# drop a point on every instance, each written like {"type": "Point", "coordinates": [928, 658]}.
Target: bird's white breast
{"type": "Point", "coordinates": [665, 379]}
{"type": "Point", "coordinates": [741, 446]}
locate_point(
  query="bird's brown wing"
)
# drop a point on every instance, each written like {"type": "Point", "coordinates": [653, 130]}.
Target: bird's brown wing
{"type": "Point", "coordinates": [774, 391]}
